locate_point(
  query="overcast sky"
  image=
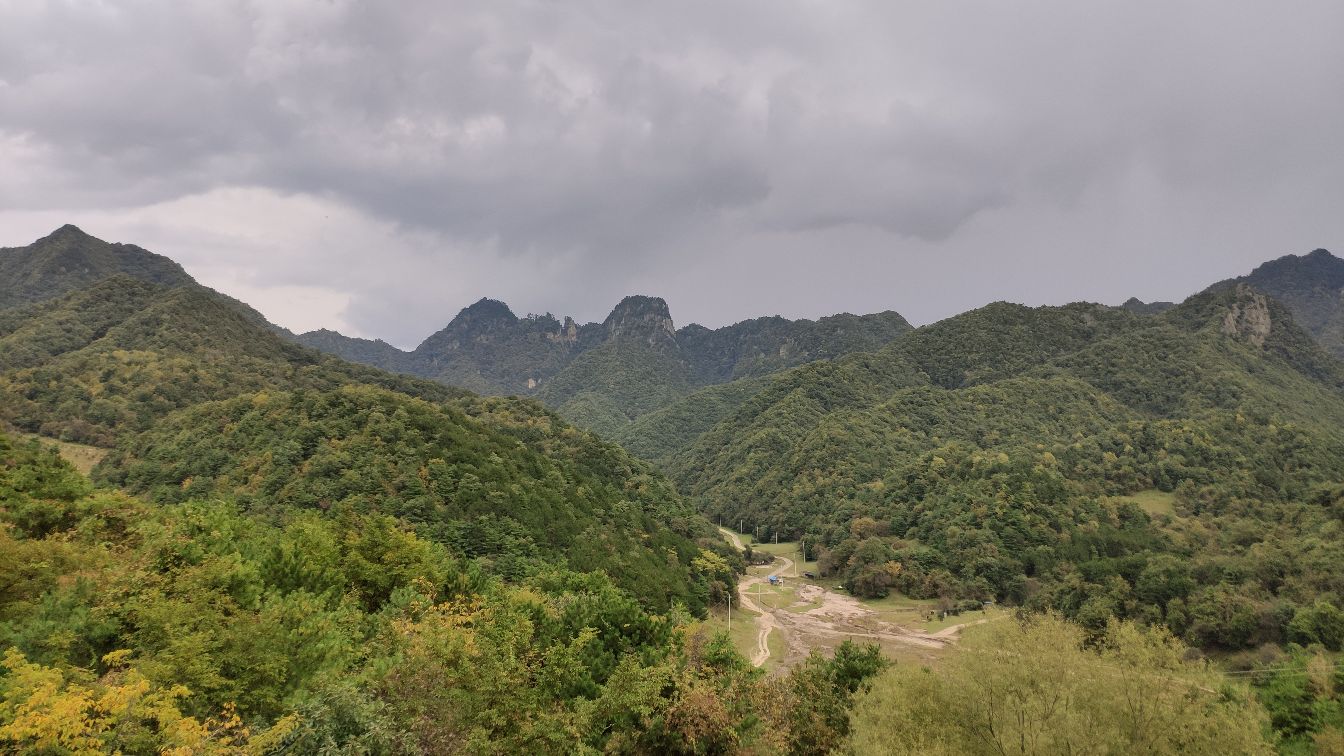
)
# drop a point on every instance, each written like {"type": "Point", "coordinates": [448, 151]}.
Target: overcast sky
{"type": "Point", "coordinates": [376, 166]}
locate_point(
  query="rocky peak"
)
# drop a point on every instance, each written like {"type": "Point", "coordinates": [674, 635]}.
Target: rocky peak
{"type": "Point", "coordinates": [481, 322]}
{"type": "Point", "coordinates": [568, 333]}
{"type": "Point", "coordinates": [641, 317]}
{"type": "Point", "coordinates": [486, 310]}
{"type": "Point", "coordinates": [482, 319]}
{"type": "Point", "coordinates": [1248, 316]}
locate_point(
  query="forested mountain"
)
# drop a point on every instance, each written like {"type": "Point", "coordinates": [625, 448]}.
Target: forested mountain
{"type": "Point", "coordinates": [69, 259]}
{"type": "Point", "coordinates": [1312, 287]}
{"type": "Point", "coordinates": [146, 369]}
{"type": "Point", "coordinates": [374, 352]}
{"type": "Point", "coordinates": [113, 359]}
{"type": "Point", "coordinates": [284, 552]}
{"type": "Point", "coordinates": [605, 375]}
{"type": "Point", "coordinates": [1078, 458]}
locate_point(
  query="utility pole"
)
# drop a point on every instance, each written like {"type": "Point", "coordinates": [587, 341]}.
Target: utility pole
{"type": "Point", "coordinates": [802, 555]}
{"type": "Point", "coordinates": [730, 612]}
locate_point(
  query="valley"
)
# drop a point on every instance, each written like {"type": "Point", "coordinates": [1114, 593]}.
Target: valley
{"type": "Point", "coordinates": [279, 547]}
{"type": "Point", "coordinates": [801, 615]}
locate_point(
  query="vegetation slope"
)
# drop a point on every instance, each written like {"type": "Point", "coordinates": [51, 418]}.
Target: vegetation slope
{"type": "Point", "coordinates": [148, 369]}
{"type": "Point", "coordinates": [202, 628]}
{"type": "Point", "coordinates": [997, 456]}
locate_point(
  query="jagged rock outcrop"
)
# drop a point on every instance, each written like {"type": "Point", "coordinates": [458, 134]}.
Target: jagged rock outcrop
{"type": "Point", "coordinates": [1248, 318]}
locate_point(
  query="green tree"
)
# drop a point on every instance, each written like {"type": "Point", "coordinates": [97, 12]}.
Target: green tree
{"type": "Point", "coordinates": [1038, 687]}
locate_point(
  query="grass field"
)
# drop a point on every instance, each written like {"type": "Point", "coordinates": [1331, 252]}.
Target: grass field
{"type": "Point", "coordinates": [743, 634]}
{"type": "Point", "coordinates": [82, 457]}
{"type": "Point", "coordinates": [1153, 501]}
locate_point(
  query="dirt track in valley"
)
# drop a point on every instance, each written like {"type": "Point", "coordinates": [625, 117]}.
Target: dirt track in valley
{"type": "Point", "coordinates": [822, 618]}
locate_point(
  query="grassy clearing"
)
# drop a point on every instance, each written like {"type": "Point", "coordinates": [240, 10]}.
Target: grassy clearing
{"type": "Point", "coordinates": [82, 457]}
{"type": "Point", "coordinates": [743, 632]}
{"type": "Point", "coordinates": [775, 642]}
{"type": "Point", "coordinates": [1153, 501]}
{"type": "Point", "coordinates": [788, 549]}
{"type": "Point", "coordinates": [993, 612]}
{"type": "Point", "coordinates": [782, 596]}
{"type": "Point", "coordinates": [922, 614]}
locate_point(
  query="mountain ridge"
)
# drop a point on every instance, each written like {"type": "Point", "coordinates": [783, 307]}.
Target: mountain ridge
{"type": "Point", "coordinates": [69, 259]}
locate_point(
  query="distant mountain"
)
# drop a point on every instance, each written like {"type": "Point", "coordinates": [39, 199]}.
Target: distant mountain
{"type": "Point", "coordinates": [1312, 287]}
{"type": "Point", "coordinates": [605, 375]}
{"type": "Point", "coordinates": [1139, 307]}
{"type": "Point", "coordinates": [488, 349]}
{"type": "Point", "coordinates": [69, 259]}
{"type": "Point", "coordinates": [377, 353]}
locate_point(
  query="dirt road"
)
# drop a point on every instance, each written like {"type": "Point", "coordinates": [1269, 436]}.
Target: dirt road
{"type": "Point", "coordinates": [821, 618]}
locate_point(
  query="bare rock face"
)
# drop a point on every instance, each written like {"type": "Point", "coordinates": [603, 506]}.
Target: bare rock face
{"type": "Point", "coordinates": [1248, 318]}
{"type": "Point", "coordinates": [568, 333]}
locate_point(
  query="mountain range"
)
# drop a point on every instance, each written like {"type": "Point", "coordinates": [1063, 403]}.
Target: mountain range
{"type": "Point", "coordinates": [1167, 464]}
{"type": "Point", "coordinates": [605, 375]}
{"type": "Point", "coordinates": [623, 377]}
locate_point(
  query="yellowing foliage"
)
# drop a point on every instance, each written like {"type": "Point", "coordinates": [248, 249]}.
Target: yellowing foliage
{"type": "Point", "coordinates": [44, 709]}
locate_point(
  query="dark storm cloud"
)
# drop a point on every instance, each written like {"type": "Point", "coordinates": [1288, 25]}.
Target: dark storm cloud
{"type": "Point", "coordinates": [567, 153]}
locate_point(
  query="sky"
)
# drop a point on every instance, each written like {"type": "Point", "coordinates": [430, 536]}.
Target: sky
{"type": "Point", "coordinates": [373, 167]}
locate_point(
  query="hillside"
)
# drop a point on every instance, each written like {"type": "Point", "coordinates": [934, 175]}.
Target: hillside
{"type": "Point", "coordinates": [143, 368]}
{"type": "Point", "coordinates": [458, 479]}
{"type": "Point", "coordinates": [202, 628]}
{"type": "Point", "coordinates": [69, 259]}
{"type": "Point", "coordinates": [1003, 454]}
{"type": "Point", "coordinates": [103, 362]}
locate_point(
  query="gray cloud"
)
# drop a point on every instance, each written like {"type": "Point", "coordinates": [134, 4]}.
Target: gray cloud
{"type": "Point", "coordinates": [741, 158]}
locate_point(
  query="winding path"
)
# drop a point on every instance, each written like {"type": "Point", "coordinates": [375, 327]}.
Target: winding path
{"type": "Point", "coordinates": [765, 621]}
{"type": "Point", "coordinates": [834, 617]}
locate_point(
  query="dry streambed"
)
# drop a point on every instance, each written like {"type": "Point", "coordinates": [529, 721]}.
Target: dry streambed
{"type": "Point", "coordinates": [810, 616]}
